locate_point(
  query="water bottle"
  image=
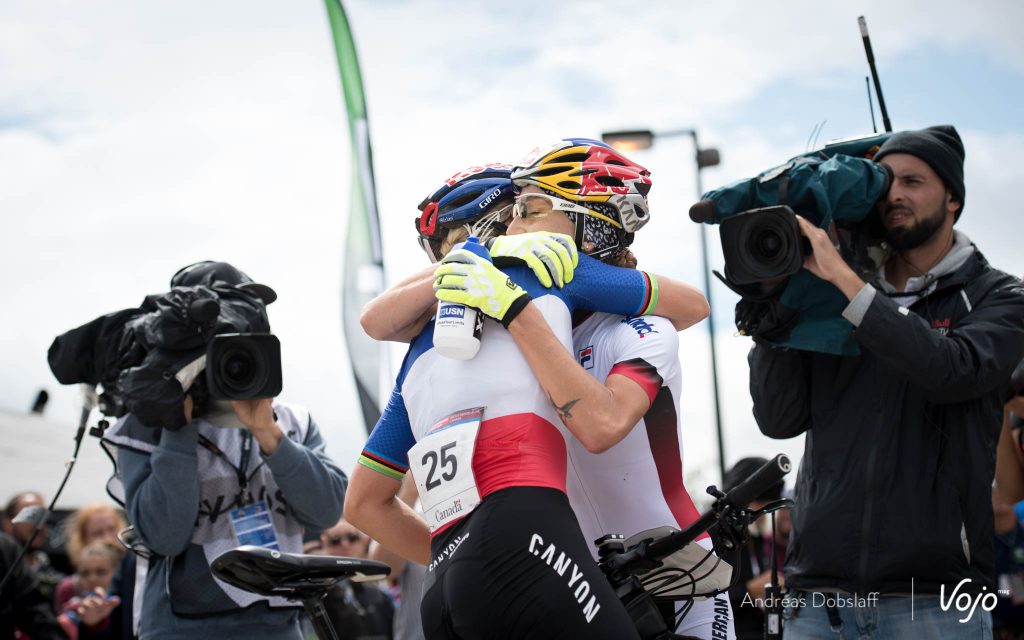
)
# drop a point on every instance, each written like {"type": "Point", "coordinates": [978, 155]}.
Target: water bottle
{"type": "Point", "coordinates": [457, 327]}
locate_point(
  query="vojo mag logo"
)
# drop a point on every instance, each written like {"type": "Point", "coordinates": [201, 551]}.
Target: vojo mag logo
{"type": "Point", "coordinates": [452, 311]}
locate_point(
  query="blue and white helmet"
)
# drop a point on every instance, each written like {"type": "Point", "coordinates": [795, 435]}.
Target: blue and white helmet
{"type": "Point", "coordinates": [479, 198]}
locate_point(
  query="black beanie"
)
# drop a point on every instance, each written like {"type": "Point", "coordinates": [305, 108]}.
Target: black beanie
{"type": "Point", "coordinates": [940, 146]}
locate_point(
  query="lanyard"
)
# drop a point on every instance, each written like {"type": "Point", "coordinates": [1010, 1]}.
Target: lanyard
{"type": "Point", "coordinates": [243, 479]}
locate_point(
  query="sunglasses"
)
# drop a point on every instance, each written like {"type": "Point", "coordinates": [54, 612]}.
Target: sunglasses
{"type": "Point", "coordinates": [544, 204]}
{"type": "Point", "coordinates": [350, 538]}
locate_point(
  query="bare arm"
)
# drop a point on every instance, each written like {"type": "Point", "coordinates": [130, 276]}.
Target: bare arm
{"type": "Point", "coordinates": [406, 494]}
{"type": "Point", "coordinates": [682, 304]}
{"type": "Point", "coordinates": [372, 506]}
{"type": "Point", "coordinates": [400, 313]}
{"type": "Point", "coordinates": [599, 415]}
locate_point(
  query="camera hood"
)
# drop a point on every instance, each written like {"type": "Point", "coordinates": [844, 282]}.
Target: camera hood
{"type": "Point", "coordinates": [209, 272]}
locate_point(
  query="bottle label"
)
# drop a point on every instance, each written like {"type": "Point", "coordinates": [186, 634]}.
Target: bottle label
{"type": "Point", "coordinates": [452, 311]}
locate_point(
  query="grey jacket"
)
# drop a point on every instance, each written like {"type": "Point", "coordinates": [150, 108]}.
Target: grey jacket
{"type": "Point", "coordinates": [178, 492]}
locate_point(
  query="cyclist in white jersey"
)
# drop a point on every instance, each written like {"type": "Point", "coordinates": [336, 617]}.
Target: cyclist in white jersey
{"type": "Point", "coordinates": [636, 483]}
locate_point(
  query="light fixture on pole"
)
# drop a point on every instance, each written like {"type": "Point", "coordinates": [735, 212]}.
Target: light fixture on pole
{"type": "Point", "coordinates": [628, 141]}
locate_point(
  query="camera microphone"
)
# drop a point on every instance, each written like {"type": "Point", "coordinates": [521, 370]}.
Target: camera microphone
{"type": "Point", "coordinates": [204, 310]}
{"type": "Point", "coordinates": [703, 212]}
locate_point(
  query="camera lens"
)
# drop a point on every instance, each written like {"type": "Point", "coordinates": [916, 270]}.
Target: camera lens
{"type": "Point", "coordinates": [766, 244]}
{"type": "Point", "coordinates": [761, 245]}
{"type": "Point", "coordinates": [241, 369]}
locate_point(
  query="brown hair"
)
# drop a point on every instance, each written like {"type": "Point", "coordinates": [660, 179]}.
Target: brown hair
{"type": "Point", "coordinates": [454, 236]}
{"type": "Point", "coordinates": [626, 259]}
{"type": "Point", "coordinates": [78, 521]}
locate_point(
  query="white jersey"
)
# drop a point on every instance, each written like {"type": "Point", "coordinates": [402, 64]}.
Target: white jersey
{"type": "Point", "coordinates": [638, 483]}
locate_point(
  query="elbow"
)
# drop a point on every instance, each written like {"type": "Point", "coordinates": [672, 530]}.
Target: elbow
{"type": "Point", "coordinates": [781, 430]}
{"type": "Point", "coordinates": [356, 510]}
{"type": "Point", "coordinates": [695, 312]}
{"type": "Point", "coordinates": [368, 321]}
{"type": "Point", "coordinates": [603, 434]}
{"type": "Point", "coordinates": [701, 310]}
{"type": "Point", "coordinates": [333, 510]}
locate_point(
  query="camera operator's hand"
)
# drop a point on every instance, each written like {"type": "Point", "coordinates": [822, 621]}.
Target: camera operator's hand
{"type": "Point", "coordinates": [825, 261]}
{"type": "Point", "coordinates": [258, 416]}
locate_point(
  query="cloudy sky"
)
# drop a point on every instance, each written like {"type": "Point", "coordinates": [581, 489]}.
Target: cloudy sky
{"type": "Point", "coordinates": [136, 138]}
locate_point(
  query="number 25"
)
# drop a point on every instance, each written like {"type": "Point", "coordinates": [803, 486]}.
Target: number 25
{"type": "Point", "coordinates": [446, 460]}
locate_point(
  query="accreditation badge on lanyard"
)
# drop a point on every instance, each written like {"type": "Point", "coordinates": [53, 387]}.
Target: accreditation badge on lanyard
{"type": "Point", "coordinates": [442, 465]}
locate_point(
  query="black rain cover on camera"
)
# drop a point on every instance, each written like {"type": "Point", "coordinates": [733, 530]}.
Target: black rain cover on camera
{"type": "Point", "coordinates": [840, 184]}
{"type": "Point", "coordinates": [137, 354]}
{"type": "Point", "coordinates": [173, 338]}
{"type": "Point", "coordinates": [92, 353]}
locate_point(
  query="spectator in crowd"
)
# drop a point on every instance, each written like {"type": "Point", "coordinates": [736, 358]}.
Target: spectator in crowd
{"type": "Point", "coordinates": [243, 472]}
{"type": "Point", "coordinates": [96, 522]}
{"type": "Point", "coordinates": [406, 575]}
{"type": "Point", "coordinates": [893, 493]}
{"type": "Point", "coordinates": [358, 610]}
{"type": "Point", "coordinates": [89, 612]}
{"type": "Point", "coordinates": [754, 569]}
{"type": "Point", "coordinates": [23, 607]}
{"type": "Point", "coordinates": [1008, 616]}
{"type": "Point", "coordinates": [1010, 453]}
{"type": "Point", "coordinates": [37, 559]}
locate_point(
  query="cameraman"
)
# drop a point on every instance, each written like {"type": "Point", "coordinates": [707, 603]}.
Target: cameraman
{"type": "Point", "coordinates": [252, 472]}
{"type": "Point", "coordinates": [893, 495]}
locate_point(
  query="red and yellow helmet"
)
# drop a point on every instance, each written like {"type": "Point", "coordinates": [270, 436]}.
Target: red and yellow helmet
{"type": "Point", "coordinates": [596, 176]}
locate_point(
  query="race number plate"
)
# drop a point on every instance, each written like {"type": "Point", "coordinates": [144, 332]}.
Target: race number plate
{"type": "Point", "coordinates": [441, 463]}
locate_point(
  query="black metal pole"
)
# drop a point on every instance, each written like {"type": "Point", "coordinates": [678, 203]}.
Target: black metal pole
{"type": "Point", "coordinates": [862, 23]}
{"type": "Point", "coordinates": [711, 316]}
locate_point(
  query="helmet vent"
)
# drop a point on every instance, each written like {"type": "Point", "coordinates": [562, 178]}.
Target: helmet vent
{"type": "Point", "coordinates": [572, 157]}
{"type": "Point", "coordinates": [609, 181]}
{"type": "Point", "coordinates": [463, 199]}
{"type": "Point", "coordinates": [569, 184]}
{"type": "Point", "coordinates": [549, 171]}
{"type": "Point", "coordinates": [643, 188]}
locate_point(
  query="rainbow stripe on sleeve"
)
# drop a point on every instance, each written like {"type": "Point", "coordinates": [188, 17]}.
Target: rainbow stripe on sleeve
{"type": "Point", "coordinates": [651, 300]}
{"type": "Point", "coordinates": [381, 464]}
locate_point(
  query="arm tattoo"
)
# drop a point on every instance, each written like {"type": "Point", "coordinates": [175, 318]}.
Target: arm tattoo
{"type": "Point", "coordinates": [564, 411]}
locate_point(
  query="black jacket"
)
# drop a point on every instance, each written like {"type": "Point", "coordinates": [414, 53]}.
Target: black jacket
{"type": "Point", "coordinates": [895, 482]}
{"type": "Point", "coordinates": [22, 605]}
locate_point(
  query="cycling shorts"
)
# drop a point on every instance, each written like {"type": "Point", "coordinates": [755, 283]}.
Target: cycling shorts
{"type": "Point", "coordinates": [518, 567]}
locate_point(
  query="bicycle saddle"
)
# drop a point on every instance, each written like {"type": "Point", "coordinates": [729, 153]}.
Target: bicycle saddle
{"type": "Point", "coordinates": [290, 575]}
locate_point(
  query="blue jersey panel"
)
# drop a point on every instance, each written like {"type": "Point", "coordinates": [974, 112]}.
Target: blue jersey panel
{"type": "Point", "coordinates": [595, 287]}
